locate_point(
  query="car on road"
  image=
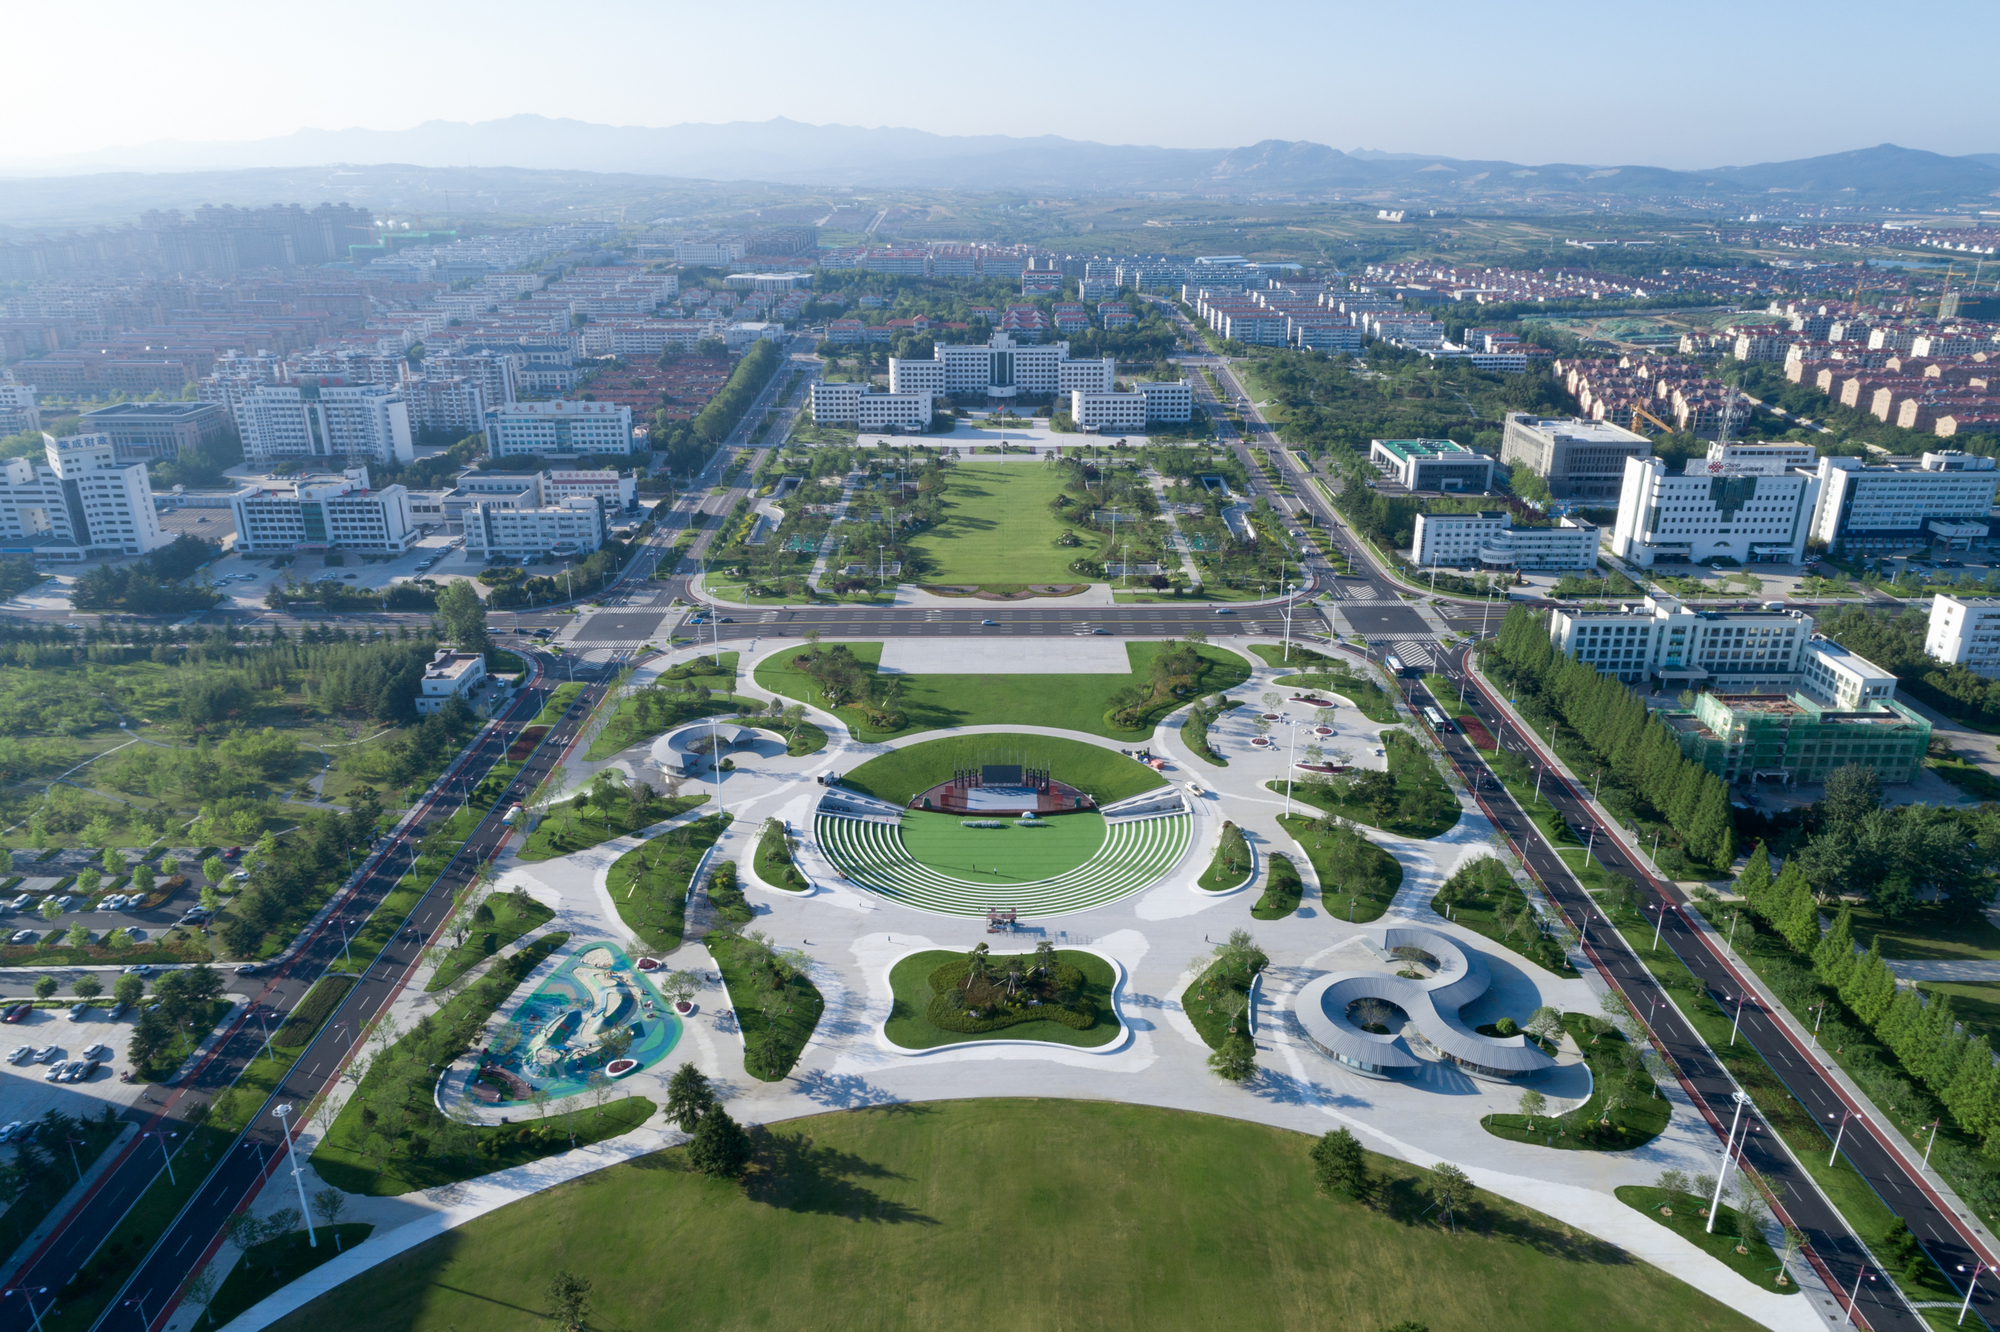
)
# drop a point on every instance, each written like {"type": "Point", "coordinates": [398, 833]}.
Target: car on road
{"type": "Point", "coordinates": [1100, 631]}
{"type": "Point", "coordinates": [989, 621]}
{"type": "Point", "coordinates": [139, 969]}
{"type": "Point", "coordinates": [249, 969]}
{"type": "Point", "coordinates": [726, 619]}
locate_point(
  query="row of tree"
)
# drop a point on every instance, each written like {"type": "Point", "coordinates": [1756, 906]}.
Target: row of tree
{"type": "Point", "coordinates": [150, 586]}
{"type": "Point", "coordinates": [1641, 754]}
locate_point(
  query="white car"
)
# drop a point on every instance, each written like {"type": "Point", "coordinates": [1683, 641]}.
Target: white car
{"type": "Point", "coordinates": [55, 1073]}
{"type": "Point", "coordinates": [20, 1054]}
{"type": "Point", "coordinates": [63, 902]}
{"type": "Point", "coordinates": [48, 1054]}
{"type": "Point", "coordinates": [115, 902]}
{"type": "Point", "coordinates": [97, 1052]}
{"type": "Point", "coordinates": [7, 1133]}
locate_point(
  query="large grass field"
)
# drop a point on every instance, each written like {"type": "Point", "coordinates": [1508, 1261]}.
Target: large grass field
{"type": "Point", "coordinates": [902, 773]}
{"type": "Point", "coordinates": [1003, 855]}
{"type": "Point", "coordinates": [998, 527]}
{"type": "Point", "coordinates": [1011, 1214]}
{"type": "Point", "coordinates": [1066, 702]}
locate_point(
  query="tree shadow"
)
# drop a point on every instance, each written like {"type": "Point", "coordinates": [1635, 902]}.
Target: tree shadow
{"type": "Point", "coordinates": [791, 1173]}
{"type": "Point", "coordinates": [843, 1091]}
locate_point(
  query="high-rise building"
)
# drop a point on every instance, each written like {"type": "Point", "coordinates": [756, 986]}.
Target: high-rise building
{"type": "Point", "coordinates": [77, 503]}
{"type": "Point", "coordinates": [325, 420]}
{"type": "Point", "coordinates": [1942, 498]}
{"type": "Point", "coordinates": [1756, 512]}
{"type": "Point", "coordinates": [143, 431]}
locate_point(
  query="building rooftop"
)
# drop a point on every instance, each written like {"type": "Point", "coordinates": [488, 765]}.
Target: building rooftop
{"type": "Point", "coordinates": [1422, 448]}
{"type": "Point", "coordinates": [449, 665]}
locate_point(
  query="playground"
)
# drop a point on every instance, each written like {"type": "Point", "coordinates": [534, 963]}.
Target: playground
{"type": "Point", "coordinates": [595, 1012]}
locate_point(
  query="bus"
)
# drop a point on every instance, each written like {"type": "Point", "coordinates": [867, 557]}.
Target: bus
{"type": "Point", "coordinates": [1437, 720]}
{"type": "Point", "coordinates": [513, 816]}
{"type": "Point", "coordinates": [1394, 663]}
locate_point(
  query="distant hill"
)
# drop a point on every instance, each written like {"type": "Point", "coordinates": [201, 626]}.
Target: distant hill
{"type": "Point", "coordinates": [789, 152]}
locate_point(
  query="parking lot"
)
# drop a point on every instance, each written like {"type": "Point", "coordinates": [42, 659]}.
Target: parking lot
{"type": "Point", "coordinates": [21, 910]}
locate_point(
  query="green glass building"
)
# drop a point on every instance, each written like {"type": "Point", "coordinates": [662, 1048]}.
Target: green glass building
{"type": "Point", "coordinates": [1791, 738]}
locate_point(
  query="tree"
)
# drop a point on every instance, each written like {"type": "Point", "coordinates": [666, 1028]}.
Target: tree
{"type": "Point", "coordinates": [1235, 1059]}
{"type": "Point", "coordinates": [46, 986]}
{"type": "Point", "coordinates": [129, 989]}
{"type": "Point", "coordinates": [215, 869]}
{"type": "Point", "coordinates": [87, 986]}
{"type": "Point", "coordinates": [1450, 1188]}
{"type": "Point", "coordinates": [1339, 1164]}
{"type": "Point", "coordinates": [1853, 791]}
{"type": "Point", "coordinates": [720, 1148]}
{"type": "Point", "coordinates": [1533, 1104]}
{"type": "Point", "coordinates": [329, 1203]}
{"type": "Point", "coordinates": [462, 616]}
{"type": "Point", "coordinates": [569, 1299]}
{"type": "Point", "coordinates": [78, 936]}
{"type": "Point", "coordinates": [689, 1097]}
{"type": "Point", "coordinates": [1546, 1024]}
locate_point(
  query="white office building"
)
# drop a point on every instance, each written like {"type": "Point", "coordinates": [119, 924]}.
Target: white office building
{"type": "Point", "coordinates": [1846, 680]}
{"type": "Point", "coordinates": [78, 501]}
{"type": "Point", "coordinates": [1002, 369]}
{"type": "Point", "coordinates": [1966, 630]}
{"type": "Point", "coordinates": [867, 408]}
{"type": "Point", "coordinates": [334, 422]}
{"type": "Point", "coordinates": [542, 429]}
{"type": "Point", "coordinates": [1168, 401]}
{"type": "Point", "coordinates": [1579, 459]}
{"type": "Point", "coordinates": [1491, 541]}
{"type": "Point", "coordinates": [572, 527]}
{"type": "Point", "coordinates": [1664, 642]}
{"type": "Point", "coordinates": [316, 513]}
{"type": "Point", "coordinates": [18, 413]}
{"type": "Point", "coordinates": [1111, 412]}
{"type": "Point", "coordinates": [1752, 513]}
{"type": "Point", "coordinates": [1909, 503]}
{"type": "Point", "coordinates": [1780, 457]}
{"type": "Point", "coordinates": [450, 675]}
{"type": "Point", "coordinates": [1433, 464]}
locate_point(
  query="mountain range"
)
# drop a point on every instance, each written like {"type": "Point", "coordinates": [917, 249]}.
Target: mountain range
{"type": "Point", "coordinates": [789, 152]}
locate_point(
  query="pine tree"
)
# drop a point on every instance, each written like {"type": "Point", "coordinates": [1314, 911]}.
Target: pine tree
{"type": "Point", "coordinates": [1707, 832]}
{"type": "Point", "coordinates": [1899, 1022]}
{"type": "Point", "coordinates": [1796, 911]}
{"type": "Point", "coordinates": [1339, 1164]}
{"type": "Point", "coordinates": [719, 1147]}
{"type": "Point", "coordinates": [1872, 986]}
{"type": "Point", "coordinates": [1833, 956]}
{"type": "Point", "coordinates": [1970, 1097]}
{"type": "Point", "coordinates": [1755, 880]}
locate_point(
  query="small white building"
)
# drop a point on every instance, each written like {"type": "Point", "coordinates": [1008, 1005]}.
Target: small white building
{"type": "Point", "coordinates": [450, 673]}
{"type": "Point", "coordinates": [867, 408]}
{"type": "Point", "coordinates": [571, 527]}
{"type": "Point", "coordinates": [1491, 540]}
{"type": "Point", "coordinates": [1966, 630]}
{"type": "Point", "coordinates": [1847, 680]}
{"type": "Point", "coordinates": [1433, 464]}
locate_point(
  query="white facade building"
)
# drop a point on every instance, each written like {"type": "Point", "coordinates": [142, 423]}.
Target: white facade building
{"type": "Point", "coordinates": [294, 422]}
{"type": "Point", "coordinates": [450, 674]}
{"type": "Point", "coordinates": [571, 527]}
{"type": "Point", "coordinates": [18, 412]}
{"type": "Point", "coordinates": [867, 408]}
{"type": "Point", "coordinates": [1433, 464]}
{"type": "Point", "coordinates": [543, 428]}
{"type": "Point", "coordinates": [1847, 680]}
{"type": "Point", "coordinates": [1779, 457]}
{"type": "Point", "coordinates": [323, 513]}
{"type": "Point", "coordinates": [1903, 504]}
{"type": "Point", "coordinates": [1966, 630]}
{"type": "Point", "coordinates": [456, 405]}
{"type": "Point", "coordinates": [1003, 368]}
{"type": "Point", "coordinates": [1491, 540]}
{"type": "Point", "coordinates": [79, 501]}
{"type": "Point", "coordinates": [1108, 413]}
{"type": "Point", "coordinates": [1169, 400]}
{"type": "Point", "coordinates": [1662, 640]}
{"type": "Point", "coordinates": [493, 371]}
{"type": "Point", "coordinates": [1751, 513]}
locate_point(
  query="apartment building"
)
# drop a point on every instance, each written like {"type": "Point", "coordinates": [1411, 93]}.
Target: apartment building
{"type": "Point", "coordinates": [1433, 464]}
{"type": "Point", "coordinates": [544, 429]}
{"type": "Point", "coordinates": [493, 371]}
{"type": "Point", "coordinates": [1491, 540]}
{"type": "Point", "coordinates": [143, 431]}
{"type": "Point", "coordinates": [1578, 459]}
{"type": "Point", "coordinates": [1904, 504]}
{"type": "Point", "coordinates": [18, 412]}
{"type": "Point", "coordinates": [866, 407]}
{"type": "Point", "coordinates": [1965, 630]}
{"type": "Point", "coordinates": [450, 405]}
{"type": "Point", "coordinates": [316, 419]}
{"type": "Point", "coordinates": [323, 512]}
{"type": "Point", "coordinates": [568, 528]}
{"type": "Point", "coordinates": [1754, 512]}
{"type": "Point", "coordinates": [79, 501]}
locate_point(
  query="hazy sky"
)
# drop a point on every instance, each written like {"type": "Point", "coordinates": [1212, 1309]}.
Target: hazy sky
{"type": "Point", "coordinates": [1701, 83]}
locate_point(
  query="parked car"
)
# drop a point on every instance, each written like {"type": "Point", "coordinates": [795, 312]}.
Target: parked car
{"type": "Point", "coordinates": [84, 1068]}
{"type": "Point", "coordinates": [21, 902]}
{"type": "Point", "coordinates": [56, 1071]}
{"type": "Point", "coordinates": [115, 902]}
{"type": "Point", "coordinates": [48, 1054]}
{"type": "Point", "coordinates": [20, 1054]}
{"type": "Point", "coordinates": [232, 853]}
{"type": "Point", "coordinates": [18, 1013]}
{"type": "Point", "coordinates": [23, 937]}
{"type": "Point", "coordinates": [63, 902]}
{"type": "Point", "coordinates": [98, 1052]}
{"type": "Point", "coordinates": [7, 1133]}
{"type": "Point", "coordinates": [241, 876]}
{"type": "Point", "coordinates": [78, 1009]}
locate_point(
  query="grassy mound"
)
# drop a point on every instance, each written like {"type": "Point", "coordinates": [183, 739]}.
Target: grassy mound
{"type": "Point", "coordinates": [1104, 773]}
{"type": "Point", "coordinates": [892, 1219]}
{"type": "Point", "coordinates": [920, 980]}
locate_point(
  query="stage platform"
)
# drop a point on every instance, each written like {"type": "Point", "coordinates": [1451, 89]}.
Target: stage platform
{"type": "Point", "coordinates": [1001, 790]}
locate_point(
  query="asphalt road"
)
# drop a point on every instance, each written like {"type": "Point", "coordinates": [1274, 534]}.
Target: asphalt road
{"type": "Point", "coordinates": [241, 1170]}
{"type": "Point", "coordinates": [1833, 1243]}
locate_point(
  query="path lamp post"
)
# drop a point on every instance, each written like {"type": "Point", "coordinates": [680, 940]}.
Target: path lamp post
{"type": "Point", "coordinates": [140, 1305]}
{"type": "Point", "coordinates": [1659, 911]}
{"type": "Point", "coordinates": [165, 1155]}
{"type": "Point", "coordinates": [1845, 1115]}
{"type": "Point", "coordinates": [1540, 773]}
{"type": "Point", "coordinates": [1971, 1283]}
{"type": "Point", "coordinates": [298, 1176]}
{"type": "Point", "coordinates": [1819, 1015]}
{"type": "Point", "coordinates": [1291, 765]}
{"type": "Point", "coordinates": [267, 1032]}
{"type": "Point", "coordinates": [1728, 1146]}
{"type": "Point", "coordinates": [1854, 1295]}
{"type": "Point", "coordinates": [28, 1293]}
{"type": "Point", "coordinates": [1589, 846]}
{"type": "Point", "coordinates": [1930, 1143]}
{"type": "Point", "coordinates": [1736, 1021]}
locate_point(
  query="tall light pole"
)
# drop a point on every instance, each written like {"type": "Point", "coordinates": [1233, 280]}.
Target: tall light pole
{"type": "Point", "coordinates": [1845, 1115]}
{"type": "Point", "coordinates": [1854, 1296]}
{"type": "Point", "coordinates": [165, 1155]}
{"type": "Point", "coordinates": [28, 1293]}
{"type": "Point", "coordinates": [1971, 1283]}
{"type": "Point", "coordinates": [298, 1176]}
{"type": "Point", "coordinates": [1728, 1146]}
{"type": "Point", "coordinates": [1737, 1021]}
{"type": "Point", "coordinates": [1291, 765]}
{"type": "Point", "coordinates": [1659, 911]}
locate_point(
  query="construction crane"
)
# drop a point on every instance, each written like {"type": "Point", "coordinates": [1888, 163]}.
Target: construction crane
{"type": "Point", "coordinates": [1640, 413]}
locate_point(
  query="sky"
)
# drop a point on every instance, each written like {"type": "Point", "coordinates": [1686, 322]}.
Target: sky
{"type": "Point", "coordinates": [1701, 83]}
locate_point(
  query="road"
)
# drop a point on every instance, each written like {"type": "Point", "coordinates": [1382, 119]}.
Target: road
{"type": "Point", "coordinates": [1833, 1242]}
{"type": "Point", "coordinates": [242, 1169]}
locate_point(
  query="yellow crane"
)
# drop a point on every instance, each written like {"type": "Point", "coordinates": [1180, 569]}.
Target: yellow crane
{"type": "Point", "coordinates": [1640, 413]}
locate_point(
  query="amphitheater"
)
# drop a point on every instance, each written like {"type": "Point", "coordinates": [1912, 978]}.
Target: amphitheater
{"type": "Point", "coordinates": [1145, 837]}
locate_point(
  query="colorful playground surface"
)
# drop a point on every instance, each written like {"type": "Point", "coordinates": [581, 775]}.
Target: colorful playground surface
{"type": "Point", "coordinates": [569, 1028]}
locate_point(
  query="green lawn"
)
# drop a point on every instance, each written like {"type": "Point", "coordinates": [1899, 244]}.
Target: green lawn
{"type": "Point", "coordinates": [773, 1035]}
{"type": "Point", "coordinates": [1423, 806]}
{"type": "Point", "coordinates": [1003, 855]}
{"type": "Point", "coordinates": [1282, 889]}
{"type": "Point", "coordinates": [1977, 1005]}
{"type": "Point", "coordinates": [514, 914]}
{"type": "Point", "coordinates": [910, 1028]}
{"type": "Point", "coordinates": [1483, 897]}
{"type": "Point", "coordinates": [1066, 702]}
{"type": "Point", "coordinates": [649, 883]}
{"type": "Point", "coordinates": [1604, 1050]}
{"type": "Point", "coordinates": [902, 773]}
{"type": "Point", "coordinates": [279, 1262]}
{"type": "Point", "coordinates": [1925, 934]}
{"type": "Point", "coordinates": [998, 527]}
{"type": "Point", "coordinates": [1357, 879]}
{"type": "Point", "coordinates": [573, 826]}
{"type": "Point", "coordinates": [912, 1218]}
{"type": "Point", "coordinates": [1759, 1265]}
{"type": "Point", "coordinates": [1368, 697]}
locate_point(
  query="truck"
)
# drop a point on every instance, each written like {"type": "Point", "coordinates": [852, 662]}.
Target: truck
{"type": "Point", "coordinates": [512, 817]}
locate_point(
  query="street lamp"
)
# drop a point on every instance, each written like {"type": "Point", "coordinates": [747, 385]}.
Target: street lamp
{"type": "Point", "coordinates": [1659, 911]}
{"type": "Point", "coordinates": [28, 1293]}
{"type": "Point", "coordinates": [1728, 1146]}
{"type": "Point", "coordinates": [165, 1155]}
{"type": "Point", "coordinates": [1972, 1283]}
{"type": "Point", "coordinates": [1845, 1115]}
{"type": "Point", "coordinates": [1736, 1021]}
{"type": "Point", "coordinates": [1854, 1295]}
{"type": "Point", "coordinates": [1291, 764]}
{"type": "Point", "coordinates": [140, 1305]}
{"type": "Point", "coordinates": [298, 1176]}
